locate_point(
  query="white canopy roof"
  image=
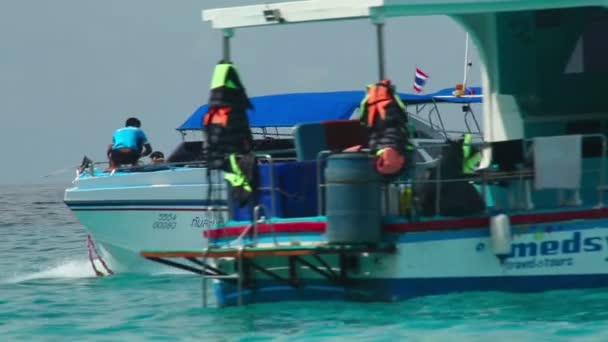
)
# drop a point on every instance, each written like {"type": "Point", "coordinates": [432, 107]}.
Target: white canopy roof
{"type": "Point", "coordinates": [323, 10]}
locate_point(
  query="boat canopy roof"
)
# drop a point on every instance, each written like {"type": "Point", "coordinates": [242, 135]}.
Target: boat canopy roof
{"type": "Point", "coordinates": [293, 12]}
{"type": "Point", "coordinates": [287, 110]}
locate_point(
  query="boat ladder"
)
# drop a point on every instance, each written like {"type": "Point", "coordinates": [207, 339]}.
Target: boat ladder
{"type": "Point", "coordinates": [240, 247]}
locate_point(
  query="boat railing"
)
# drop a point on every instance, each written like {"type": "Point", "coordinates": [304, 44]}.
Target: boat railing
{"type": "Point", "coordinates": [104, 167]}
{"type": "Point", "coordinates": [253, 228]}
{"type": "Point", "coordinates": [273, 184]}
{"type": "Point", "coordinates": [434, 110]}
{"type": "Point", "coordinates": [261, 214]}
{"type": "Point", "coordinates": [271, 132]}
{"type": "Point", "coordinates": [468, 115]}
{"type": "Point", "coordinates": [435, 121]}
{"type": "Point", "coordinates": [483, 176]}
{"type": "Point", "coordinates": [523, 175]}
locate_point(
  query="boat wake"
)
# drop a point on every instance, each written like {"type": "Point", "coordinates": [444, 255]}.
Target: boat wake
{"type": "Point", "coordinates": [67, 269]}
{"type": "Point", "coordinates": [81, 269]}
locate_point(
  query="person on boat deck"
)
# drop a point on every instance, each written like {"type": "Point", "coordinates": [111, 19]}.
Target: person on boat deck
{"type": "Point", "coordinates": [128, 143]}
{"type": "Point", "coordinates": [157, 157]}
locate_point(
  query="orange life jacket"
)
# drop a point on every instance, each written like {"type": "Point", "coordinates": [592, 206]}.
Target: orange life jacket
{"type": "Point", "coordinates": [218, 116]}
{"type": "Point", "coordinates": [378, 97]}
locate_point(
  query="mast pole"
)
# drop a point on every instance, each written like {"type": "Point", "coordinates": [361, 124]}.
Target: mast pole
{"type": "Point", "coordinates": [467, 62]}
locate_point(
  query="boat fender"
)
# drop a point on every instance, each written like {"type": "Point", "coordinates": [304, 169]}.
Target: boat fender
{"type": "Point", "coordinates": [500, 236]}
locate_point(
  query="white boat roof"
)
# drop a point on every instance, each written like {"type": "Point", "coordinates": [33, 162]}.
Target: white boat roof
{"type": "Point", "coordinates": [324, 10]}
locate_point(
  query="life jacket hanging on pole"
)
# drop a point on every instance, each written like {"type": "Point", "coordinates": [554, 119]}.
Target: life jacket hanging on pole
{"type": "Point", "coordinates": [242, 174]}
{"type": "Point", "coordinates": [226, 122]}
{"type": "Point", "coordinates": [229, 138]}
{"type": "Point", "coordinates": [470, 156]}
{"type": "Point", "coordinates": [385, 116]}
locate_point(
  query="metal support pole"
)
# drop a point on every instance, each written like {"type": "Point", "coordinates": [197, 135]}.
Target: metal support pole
{"type": "Point", "coordinates": [386, 199]}
{"type": "Point", "coordinates": [467, 63]}
{"type": "Point", "coordinates": [380, 39]}
{"type": "Point", "coordinates": [438, 186]}
{"type": "Point", "coordinates": [204, 279]}
{"type": "Point", "coordinates": [240, 273]}
{"type": "Point", "coordinates": [228, 33]}
{"type": "Point", "coordinates": [602, 178]}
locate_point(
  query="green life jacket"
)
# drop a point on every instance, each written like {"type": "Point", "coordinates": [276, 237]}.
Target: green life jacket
{"type": "Point", "coordinates": [220, 76]}
{"type": "Point", "coordinates": [236, 177]}
{"type": "Point", "coordinates": [469, 162]}
{"type": "Point", "coordinates": [411, 133]}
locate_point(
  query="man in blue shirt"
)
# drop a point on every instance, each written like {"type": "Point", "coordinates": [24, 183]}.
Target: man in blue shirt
{"type": "Point", "coordinates": [128, 143]}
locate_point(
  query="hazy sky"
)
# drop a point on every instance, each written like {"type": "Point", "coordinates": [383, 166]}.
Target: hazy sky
{"type": "Point", "coordinates": [72, 71]}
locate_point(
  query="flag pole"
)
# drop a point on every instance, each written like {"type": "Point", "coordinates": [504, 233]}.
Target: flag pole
{"type": "Point", "coordinates": [467, 62]}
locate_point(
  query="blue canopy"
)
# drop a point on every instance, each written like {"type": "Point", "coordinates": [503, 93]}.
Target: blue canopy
{"type": "Point", "coordinates": [286, 110]}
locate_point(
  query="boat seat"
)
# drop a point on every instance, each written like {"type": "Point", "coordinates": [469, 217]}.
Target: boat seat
{"type": "Point", "coordinates": [309, 140]}
{"type": "Point", "coordinates": [312, 138]}
{"type": "Point", "coordinates": [342, 134]}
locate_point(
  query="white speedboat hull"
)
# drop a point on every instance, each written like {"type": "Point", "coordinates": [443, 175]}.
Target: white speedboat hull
{"type": "Point", "coordinates": [161, 210]}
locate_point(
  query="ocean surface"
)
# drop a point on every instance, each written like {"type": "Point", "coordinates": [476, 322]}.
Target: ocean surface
{"type": "Point", "coordinates": [48, 292]}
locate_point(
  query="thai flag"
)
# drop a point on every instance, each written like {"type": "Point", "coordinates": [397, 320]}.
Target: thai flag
{"type": "Point", "coordinates": [420, 80]}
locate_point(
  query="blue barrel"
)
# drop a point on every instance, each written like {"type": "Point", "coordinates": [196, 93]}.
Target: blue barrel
{"type": "Point", "coordinates": [352, 199]}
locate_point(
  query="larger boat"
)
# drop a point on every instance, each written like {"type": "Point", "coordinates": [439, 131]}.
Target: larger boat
{"type": "Point", "coordinates": [166, 207]}
{"type": "Point", "coordinates": [531, 218]}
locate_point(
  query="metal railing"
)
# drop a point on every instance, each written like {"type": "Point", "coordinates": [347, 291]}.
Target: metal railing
{"type": "Point", "coordinates": [467, 114]}
{"type": "Point", "coordinates": [253, 228]}
{"type": "Point", "coordinates": [150, 167]}
{"type": "Point", "coordinates": [93, 166]}
{"type": "Point", "coordinates": [257, 217]}
{"type": "Point", "coordinates": [272, 187]}
{"type": "Point", "coordinates": [482, 177]}
{"type": "Point", "coordinates": [434, 112]}
{"type": "Point", "coordinates": [601, 183]}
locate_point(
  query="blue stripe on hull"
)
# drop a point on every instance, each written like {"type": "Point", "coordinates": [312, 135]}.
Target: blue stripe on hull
{"type": "Point", "coordinates": [400, 289]}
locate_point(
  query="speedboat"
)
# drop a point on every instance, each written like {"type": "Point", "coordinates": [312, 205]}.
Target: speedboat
{"type": "Point", "coordinates": [531, 217]}
{"type": "Point", "coordinates": [166, 207]}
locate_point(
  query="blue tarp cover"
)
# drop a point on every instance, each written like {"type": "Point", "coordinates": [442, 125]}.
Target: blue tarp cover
{"type": "Point", "coordinates": [286, 110]}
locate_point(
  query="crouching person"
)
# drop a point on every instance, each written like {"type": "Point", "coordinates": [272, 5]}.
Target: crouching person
{"type": "Point", "coordinates": [128, 144]}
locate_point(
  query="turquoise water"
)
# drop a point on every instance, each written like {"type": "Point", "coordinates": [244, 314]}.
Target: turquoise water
{"type": "Point", "coordinates": [48, 292]}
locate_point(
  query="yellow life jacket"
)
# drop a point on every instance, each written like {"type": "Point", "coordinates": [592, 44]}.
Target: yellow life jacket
{"type": "Point", "coordinates": [220, 76]}
{"type": "Point", "coordinates": [469, 162]}
{"type": "Point", "coordinates": [236, 177]}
